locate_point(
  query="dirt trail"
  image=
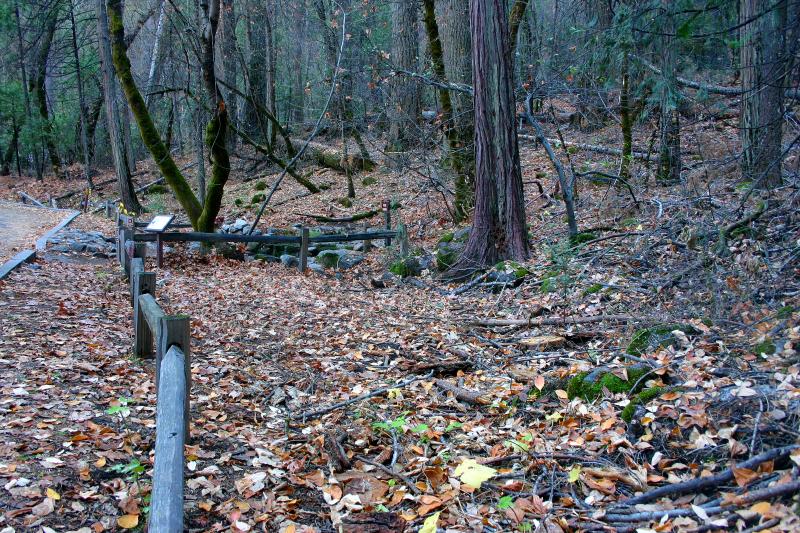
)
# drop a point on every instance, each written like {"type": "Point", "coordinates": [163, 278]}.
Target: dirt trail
{"type": "Point", "coordinates": [20, 226]}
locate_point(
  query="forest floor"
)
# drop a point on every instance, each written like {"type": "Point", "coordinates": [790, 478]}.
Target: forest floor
{"type": "Point", "coordinates": [321, 401]}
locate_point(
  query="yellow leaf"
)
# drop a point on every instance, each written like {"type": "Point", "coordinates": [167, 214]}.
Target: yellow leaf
{"type": "Point", "coordinates": [574, 474]}
{"type": "Point", "coordinates": [473, 474]}
{"type": "Point", "coordinates": [128, 521]}
{"type": "Point", "coordinates": [100, 463]}
{"type": "Point", "coordinates": [555, 417]}
{"type": "Point", "coordinates": [429, 526]}
{"type": "Point", "coordinates": [53, 495]}
{"type": "Point", "coordinates": [761, 508]}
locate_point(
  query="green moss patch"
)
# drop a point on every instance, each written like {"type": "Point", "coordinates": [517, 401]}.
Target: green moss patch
{"type": "Point", "coordinates": [369, 180]}
{"type": "Point", "coordinates": [260, 186]}
{"type": "Point", "coordinates": [344, 202]}
{"type": "Point", "coordinates": [582, 237]}
{"type": "Point", "coordinates": [654, 337]}
{"type": "Point", "coordinates": [258, 198]}
{"type": "Point", "coordinates": [642, 398]}
{"type": "Point", "coordinates": [766, 347]}
{"type": "Point", "coordinates": [590, 385]}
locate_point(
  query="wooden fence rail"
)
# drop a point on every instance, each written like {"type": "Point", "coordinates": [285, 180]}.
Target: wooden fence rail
{"type": "Point", "coordinates": [168, 339]}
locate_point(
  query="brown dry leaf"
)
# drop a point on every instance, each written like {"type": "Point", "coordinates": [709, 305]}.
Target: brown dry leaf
{"type": "Point", "coordinates": [429, 503]}
{"type": "Point", "coordinates": [128, 521]}
{"type": "Point", "coordinates": [370, 489]}
{"type": "Point", "coordinates": [539, 382]}
{"type": "Point", "coordinates": [744, 476]}
{"type": "Point", "coordinates": [45, 508]}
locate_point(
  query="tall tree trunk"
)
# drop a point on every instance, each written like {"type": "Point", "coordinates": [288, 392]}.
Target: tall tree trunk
{"type": "Point", "coordinates": [113, 122]}
{"type": "Point", "coordinates": [763, 66]}
{"type": "Point", "coordinates": [26, 97]}
{"type": "Point", "coordinates": [626, 122]}
{"type": "Point", "coordinates": [296, 60]}
{"type": "Point", "coordinates": [272, 61]}
{"type": "Point", "coordinates": [254, 125]}
{"type": "Point", "coordinates": [38, 89]}
{"type": "Point", "coordinates": [669, 160]}
{"type": "Point", "coordinates": [229, 57]}
{"type": "Point", "coordinates": [155, 52]}
{"type": "Point", "coordinates": [457, 155]}
{"type": "Point", "coordinates": [92, 118]}
{"type": "Point", "coordinates": [87, 171]}
{"type": "Point", "coordinates": [405, 98]}
{"type": "Point", "coordinates": [8, 156]}
{"type": "Point", "coordinates": [498, 227]}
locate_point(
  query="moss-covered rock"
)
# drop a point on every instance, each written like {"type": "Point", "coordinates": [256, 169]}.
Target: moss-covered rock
{"type": "Point", "coordinates": [344, 202]}
{"type": "Point", "coordinates": [406, 267]}
{"type": "Point", "coordinates": [258, 198]}
{"type": "Point", "coordinates": [368, 180]}
{"type": "Point", "coordinates": [640, 399]}
{"type": "Point", "coordinates": [582, 237]}
{"type": "Point", "coordinates": [157, 189]}
{"type": "Point", "coordinates": [648, 339]}
{"type": "Point", "coordinates": [590, 385]}
{"type": "Point", "coordinates": [260, 186]}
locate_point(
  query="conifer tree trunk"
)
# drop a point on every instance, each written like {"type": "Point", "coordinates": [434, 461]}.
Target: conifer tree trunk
{"type": "Point", "coordinates": [296, 59]}
{"type": "Point", "coordinates": [119, 153]}
{"type": "Point", "coordinates": [272, 60]}
{"type": "Point", "coordinates": [457, 157]}
{"type": "Point", "coordinates": [763, 71]}
{"type": "Point", "coordinates": [81, 101]}
{"type": "Point", "coordinates": [256, 72]}
{"type": "Point", "coordinates": [38, 89]}
{"type": "Point", "coordinates": [405, 102]}
{"type": "Point", "coordinates": [669, 160]}
{"type": "Point", "coordinates": [498, 227]}
{"type": "Point", "coordinates": [23, 71]}
{"type": "Point", "coordinates": [229, 59]}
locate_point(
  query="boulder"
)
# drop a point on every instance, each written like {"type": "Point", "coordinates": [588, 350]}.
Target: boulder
{"type": "Point", "coordinates": [289, 260]}
{"type": "Point", "coordinates": [240, 225]}
{"type": "Point", "coordinates": [339, 259]}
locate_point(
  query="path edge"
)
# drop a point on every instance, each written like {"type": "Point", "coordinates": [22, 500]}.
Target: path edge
{"type": "Point", "coordinates": [27, 256]}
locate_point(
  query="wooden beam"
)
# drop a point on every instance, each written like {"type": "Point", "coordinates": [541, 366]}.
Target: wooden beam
{"type": "Point", "coordinates": [137, 267]}
{"type": "Point", "coordinates": [167, 499]}
{"type": "Point", "coordinates": [144, 284]}
{"type": "Point", "coordinates": [151, 312]}
{"type": "Point", "coordinates": [174, 332]}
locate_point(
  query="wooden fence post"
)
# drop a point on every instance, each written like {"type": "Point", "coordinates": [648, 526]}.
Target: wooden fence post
{"type": "Point", "coordinates": [174, 331]}
{"type": "Point", "coordinates": [143, 283]}
{"type": "Point", "coordinates": [140, 249]}
{"type": "Point", "coordinates": [137, 266]}
{"type": "Point", "coordinates": [303, 262]}
{"type": "Point", "coordinates": [367, 243]}
{"type": "Point", "coordinates": [387, 207]}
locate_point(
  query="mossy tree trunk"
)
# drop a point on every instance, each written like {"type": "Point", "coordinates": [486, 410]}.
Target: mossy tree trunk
{"type": "Point", "coordinates": [201, 216]}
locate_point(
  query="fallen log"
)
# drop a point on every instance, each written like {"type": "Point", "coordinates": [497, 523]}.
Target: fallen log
{"type": "Point", "coordinates": [329, 157]}
{"type": "Point", "coordinates": [552, 321]}
{"type": "Point", "coordinates": [592, 148]}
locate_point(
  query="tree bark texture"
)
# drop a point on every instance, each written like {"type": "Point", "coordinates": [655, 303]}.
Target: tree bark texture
{"type": "Point", "coordinates": [405, 97]}
{"type": "Point", "coordinates": [119, 154]}
{"type": "Point", "coordinates": [763, 71]}
{"type": "Point", "coordinates": [229, 59]}
{"type": "Point", "coordinates": [256, 72]}
{"type": "Point", "coordinates": [669, 161]}
{"type": "Point", "coordinates": [38, 89]}
{"type": "Point", "coordinates": [498, 226]}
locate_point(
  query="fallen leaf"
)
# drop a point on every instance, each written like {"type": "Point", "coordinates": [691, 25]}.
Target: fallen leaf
{"type": "Point", "coordinates": [474, 474]}
{"type": "Point", "coordinates": [128, 521]}
{"type": "Point", "coordinates": [429, 526]}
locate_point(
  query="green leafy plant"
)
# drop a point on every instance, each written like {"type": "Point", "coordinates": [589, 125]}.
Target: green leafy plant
{"type": "Point", "coordinates": [122, 409]}
{"type": "Point", "coordinates": [505, 502]}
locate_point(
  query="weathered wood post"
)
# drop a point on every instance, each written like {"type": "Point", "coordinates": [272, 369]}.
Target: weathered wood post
{"type": "Point", "coordinates": [302, 264]}
{"type": "Point", "coordinates": [126, 253]}
{"type": "Point", "coordinates": [367, 243]}
{"type": "Point", "coordinates": [167, 496]}
{"type": "Point", "coordinates": [137, 266]}
{"type": "Point", "coordinates": [149, 316]}
{"type": "Point", "coordinates": [143, 283]}
{"type": "Point", "coordinates": [387, 208]}
{"type": "Point", "coordinates": [174, 331]}
{"type": "Point", "coordinates": [159, 250]}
